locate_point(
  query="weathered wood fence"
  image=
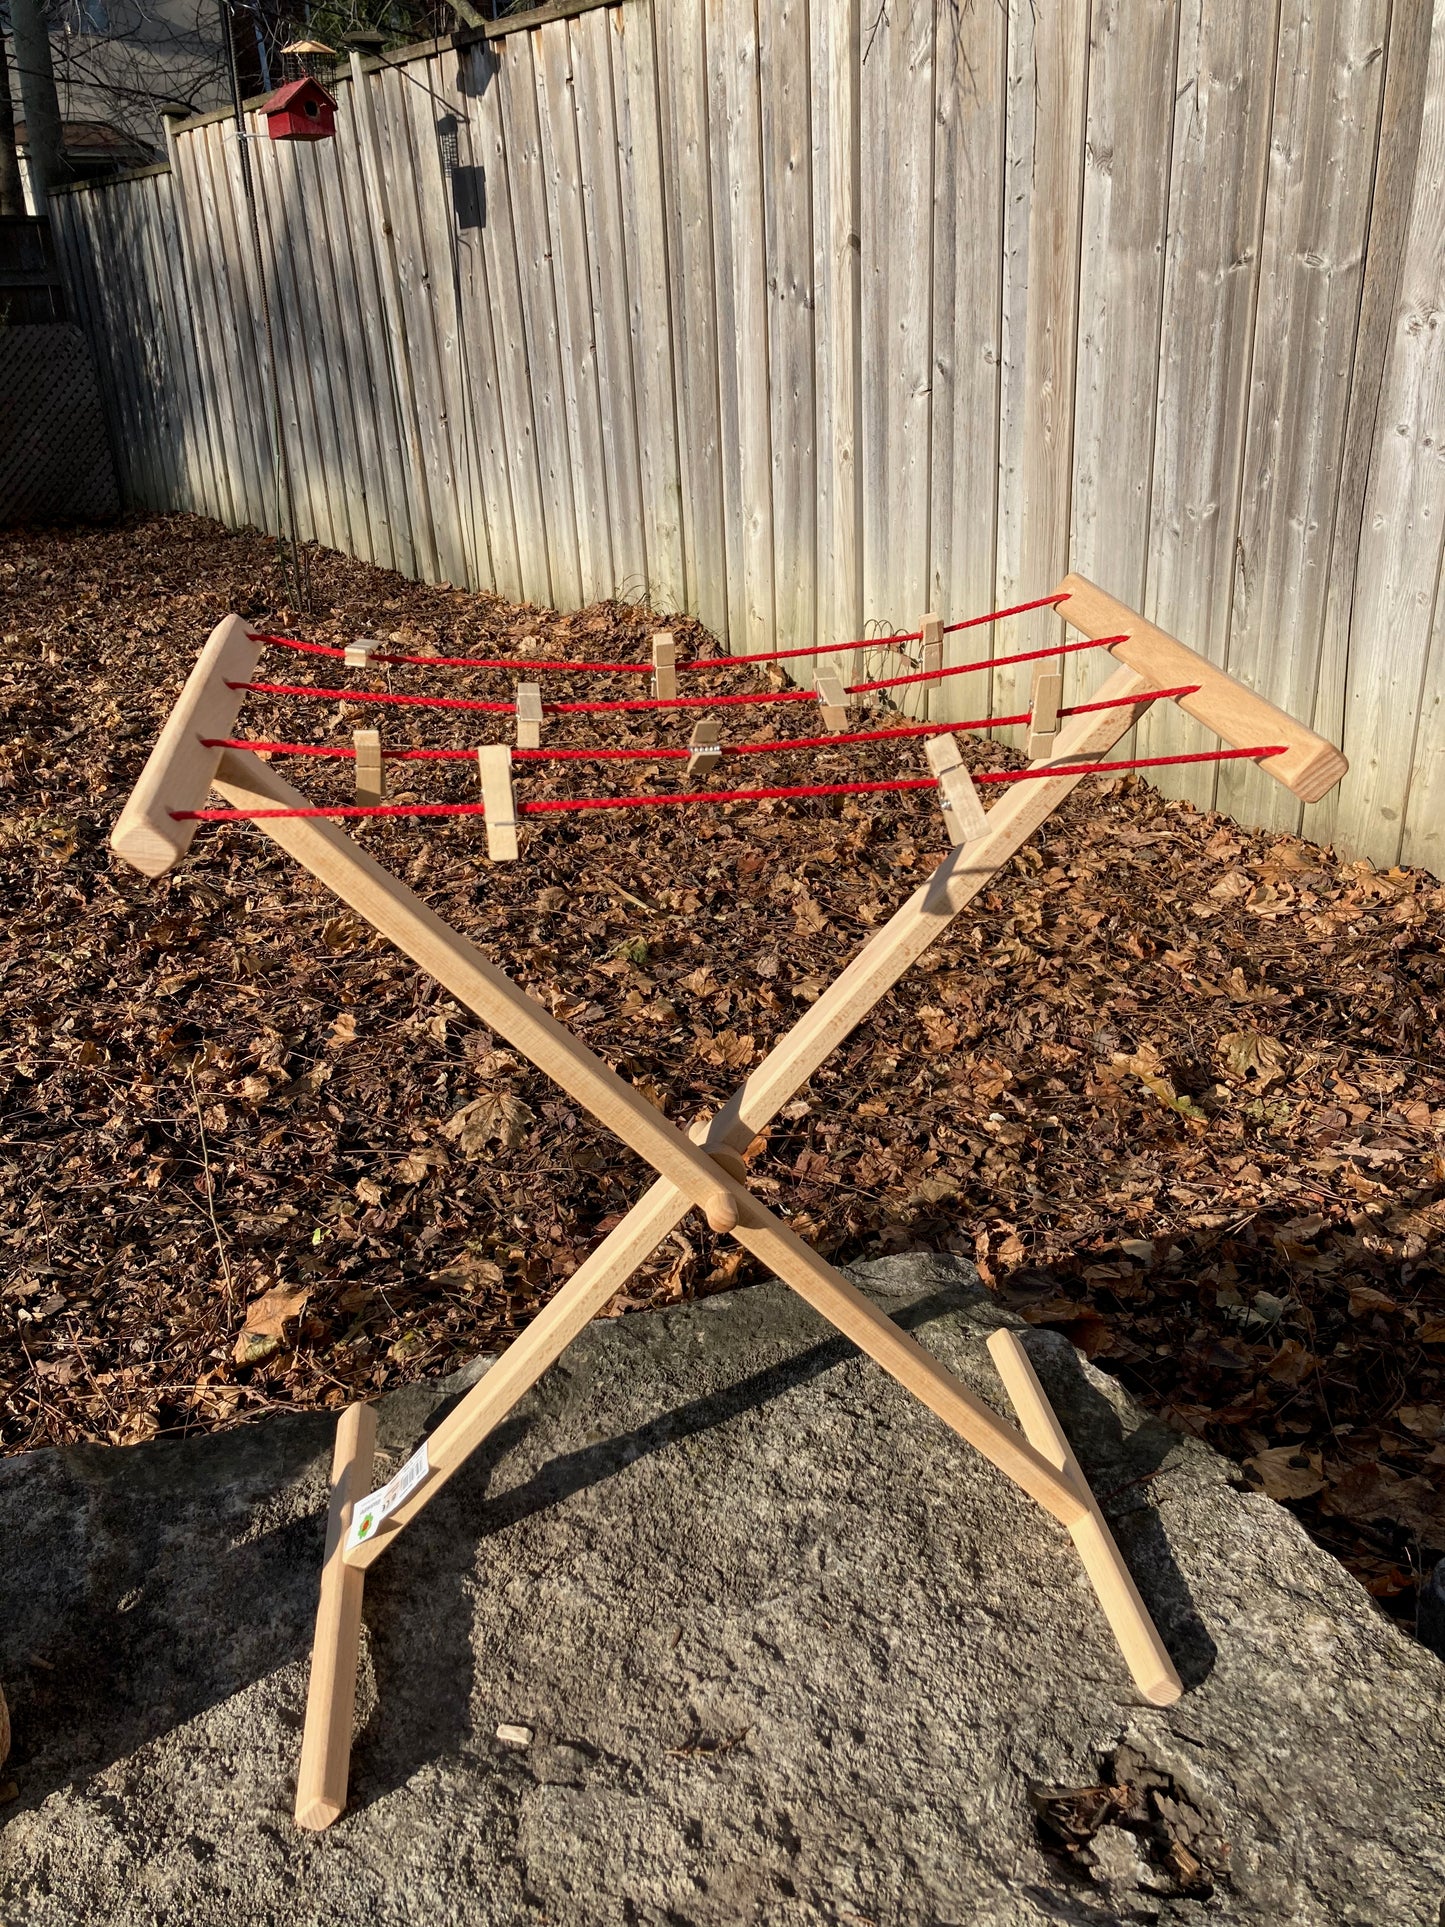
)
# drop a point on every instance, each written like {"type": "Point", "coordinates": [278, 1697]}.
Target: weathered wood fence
{"type": "Point", "coordinates": [808, 315]}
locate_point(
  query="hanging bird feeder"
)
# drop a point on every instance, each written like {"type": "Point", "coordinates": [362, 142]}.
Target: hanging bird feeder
{"type": "Point", "coordinates": [302, 110]}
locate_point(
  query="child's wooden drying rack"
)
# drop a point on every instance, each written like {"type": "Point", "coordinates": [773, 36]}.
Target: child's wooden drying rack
{"type": "Point", "coordinates": [702, 1168]}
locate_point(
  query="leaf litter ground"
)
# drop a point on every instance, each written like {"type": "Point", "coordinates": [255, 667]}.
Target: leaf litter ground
{"type": "Point", "coordinates": [1175, 1086]}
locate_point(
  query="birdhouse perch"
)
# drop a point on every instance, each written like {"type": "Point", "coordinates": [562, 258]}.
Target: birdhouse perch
{"type": "Point", "coordinates": [302, 110]}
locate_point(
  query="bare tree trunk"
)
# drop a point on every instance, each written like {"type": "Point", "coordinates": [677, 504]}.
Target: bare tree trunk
{"type": "Point", "coordinates": [38, 95]}
{"type": "Point", "coordinates": [12, 194]}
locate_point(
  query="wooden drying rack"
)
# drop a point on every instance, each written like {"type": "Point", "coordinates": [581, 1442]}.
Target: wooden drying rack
{"type": "Point", "coordinates": [702, 1168]}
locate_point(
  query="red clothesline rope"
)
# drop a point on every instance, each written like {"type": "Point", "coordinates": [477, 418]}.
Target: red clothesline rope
{"type": "Point", "coordinates": [556, 805]}
{"type": "Point", "coordinates": [774, 746]}
{"type": "Point", "coordinates": [995, 662]}
{"type": "Point", "coordinates": [645, 668]}
{"type": "Point", "coordinates": [508, 709]}
{"type": "Point", "coordinates": [308, 690]}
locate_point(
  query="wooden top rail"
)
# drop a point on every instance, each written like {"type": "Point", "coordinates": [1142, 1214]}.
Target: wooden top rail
{"type": "Point", "coordinates": [1310, 767]}
{"type": "Point", "coordinates": [180, 770]}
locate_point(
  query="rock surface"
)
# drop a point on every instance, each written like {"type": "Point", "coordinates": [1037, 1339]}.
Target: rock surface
{"type": "Point", "coordinates": [787, 1652]}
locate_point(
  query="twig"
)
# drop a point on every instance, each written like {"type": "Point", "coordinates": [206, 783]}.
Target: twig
{"type": "Point", "coordinates": [210, 1188]}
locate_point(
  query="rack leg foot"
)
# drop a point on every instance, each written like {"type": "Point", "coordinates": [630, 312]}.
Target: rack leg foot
{"type": "Point", "coordinates": [326, 1743]}
{"type": "Point", "coordinates": [1145, 1653]}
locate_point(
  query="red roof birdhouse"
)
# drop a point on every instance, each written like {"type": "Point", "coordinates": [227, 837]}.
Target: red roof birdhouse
{"type": "Point", "coordinates": [302, 110]}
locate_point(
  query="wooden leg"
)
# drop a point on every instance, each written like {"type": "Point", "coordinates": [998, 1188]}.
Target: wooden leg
{"type": "Point", "coordinates": [599, 1277]}
{"type": "Point", "coordinates": [330, 1698]}
{"type": "Point", "coordinates": [1144, 1651]}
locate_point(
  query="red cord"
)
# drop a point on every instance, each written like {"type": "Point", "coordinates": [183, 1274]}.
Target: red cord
{"type": "Point", "coordinates": [646, 668]}
{"type": "Point", "coordinates": [549, 806]}
{"type": "Point", "coordinates": [776, 745]}
{"type": "Point", "coordinates": [663, 702]}
{"type": "Point", "coordinates": [466, 662]}
{"type": "Point", "coordinates": [509, 709]}
{"type": "Point", "coordinates": [992, 662]}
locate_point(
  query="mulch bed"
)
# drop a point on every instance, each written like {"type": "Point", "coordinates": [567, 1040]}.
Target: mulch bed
{"type": "Point", "coordinates": [1176, 1086]}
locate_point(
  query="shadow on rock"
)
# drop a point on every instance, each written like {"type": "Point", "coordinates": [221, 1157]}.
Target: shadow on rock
{"type": "Point", "coordinates": [143, 1585]}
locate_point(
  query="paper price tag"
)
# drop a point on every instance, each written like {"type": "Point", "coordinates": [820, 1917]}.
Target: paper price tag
{"type": "Point", "coordinates": [375, 1507]}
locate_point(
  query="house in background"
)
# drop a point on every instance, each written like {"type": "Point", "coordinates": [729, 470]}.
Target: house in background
{"type": "Point", "coordinates": [93, 150]}
{"type": "Point", "coordinates": [120, 65]}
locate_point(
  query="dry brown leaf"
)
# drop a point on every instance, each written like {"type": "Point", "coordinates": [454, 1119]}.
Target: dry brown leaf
{"type": "Point", "coordinates": [1250, 1054]}
{"type": "Point", "coordinates": [495, 1117]}
{"type": "Point", "coordinates": [1287, 1473]}
{"type": "Point", "coordinates": [266, 1320]}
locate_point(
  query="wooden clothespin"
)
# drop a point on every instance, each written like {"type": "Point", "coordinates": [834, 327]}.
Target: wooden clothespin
{"type": "Point", "coordinates": [664, 665]}
{"type": "Point", "coordinates": [962, 811]}
{"type": "Point", "coordinates": [704, 747]}
{"type": "Point", "coordinates": [529, 715]}
{"type": "Point", "coordinates": [494, 765]}
{"type": "Point", "coordinates": [832, 700]}
{"type": "Point", "coordinates": [358, 654]}
{"type": "Point", "coordinates": [930, 659]}
{"type": "Point", "coordinates": [370, 770]}
{"type": "Point", "coordinates": [1048, 693]}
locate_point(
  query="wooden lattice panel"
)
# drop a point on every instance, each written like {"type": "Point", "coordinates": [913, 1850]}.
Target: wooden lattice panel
{"type": "Point", "coordinates": [55, 462]}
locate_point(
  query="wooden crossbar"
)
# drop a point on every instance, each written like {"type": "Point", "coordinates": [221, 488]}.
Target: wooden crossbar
{"type": "Point", "coordinates": [700, 1170]}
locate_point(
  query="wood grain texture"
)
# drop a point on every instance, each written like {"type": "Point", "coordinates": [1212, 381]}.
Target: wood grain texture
{"type": "Point", "coordinates": [607, 265]}
{"type": "Point", "coordinates": [1223, 107]}
{"type": "Point", "coordinates": [970, 79]}
{"type": "Point", "coordinates": [1397, 153]}
{"type": "Point", "coordinates": [784, 56]}
{"type": "Point", "coordinates": [1394, 685]}
{"type": "Point", "coordinates": [836, 162]}
{"type": "Point", "coordinates": [179, 770]}
{"type": "Point", "coordinates": [1145, 1653]}
{"type": "Point", "coordinates": [531, 228]}
{"type": "Point", "coordinates": [1047, 92]}
{"type": "Point", "coordinates": [1128, 145]}
{"type": "Point", "coordinates": [896, 210]}
{"type": "Point", "coordinates": [336, 1645]}
{"type": "Point", "coordinates": [740, 109]}
{"type": "Point", "coordinates": [687, 208]}
{"type": "Point", "coordinates": [576, 335]}
{"type": "Point", "coordinates": [635, 93]}
{"type": "Point", "coordinates": [1317, 208]}
{"type": "Point", "coordinates": [1226, 708]}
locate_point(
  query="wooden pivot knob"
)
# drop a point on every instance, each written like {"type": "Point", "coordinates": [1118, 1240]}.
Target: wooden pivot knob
{"type": "Point", "coordinates": [720, 1211]}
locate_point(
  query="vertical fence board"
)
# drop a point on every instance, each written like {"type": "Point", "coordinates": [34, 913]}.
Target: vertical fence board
{"type": "Point", "coordinates": [1221, 142]}
{"type": "Point", "coordinates": [896, 111]}
{"type": "Point", "coordinates": [634, 76]}
{"type": "Point", "coordinates": [607, 268]}
{"type": "Point", "coordinates": [742, 118]}
{"type": "Point", "coordinates": [572, 276]}
{"type": "Point", "coordinates": [1121, 278]}
{"type": "Point", "coordinates": [1393, 700]}
{"type": "Point", "coordinates": [343, 386]}
{"type": "Point", "coordinates": [1407, 64]}
{"type": "Point", "coordinates": [783, 66]}
{"type": "Point", "coordinates": [310, 446]}
{"type": "Point", "coordinates": [203, 491]}
{"type": "Point", "coordinates": [534, 242]}
{"type": "Point", "coordinates": [1317, 206]}
{"type": "Point", "coordinates": [687, 161]}
{"type": "Point", "coordinates": [1047, 91]}
{"type": "Point", "coordinates": [719, 54]}
{"type": "Point", "coordinates": [835, 248]}
{"type": "Point", "coordinates": [408, 151]}
{"type": "Point", "coordinates": [970, 60]}
{"type": "Point", "coordinates": [195, 268]}
{"type": "Point", "coordinates": [516, 428]}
